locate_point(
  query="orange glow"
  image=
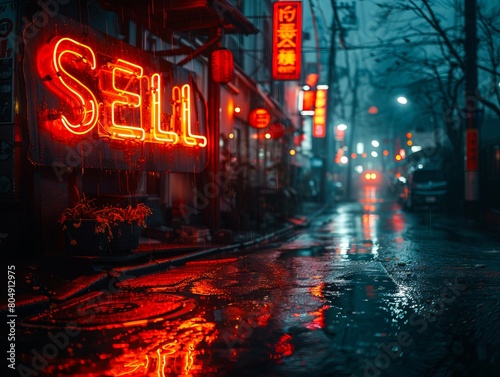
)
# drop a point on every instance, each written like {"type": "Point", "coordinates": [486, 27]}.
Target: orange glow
{"type": "Point", "coordinates": [409, 143]}
{"type": "Point", "coordinates": [398, 157]}
{"type": "Point", "coordinates": [354, 155]}
{"type": "Point", "coordinates": [181, 97]}
{"type": "Point", "coordinates": [308, 100]}
{"type": "Point", "coordinates": [158, 133]}
{"type": "Point", "coordinates": [317, 291]}
{"type": "Point", "coordinates": [373, 110]}
{"type": "Point", "coordinates": [409, 135]}
{"type": "Point", "coordinates": [386, 152]}
{"type": "Point", "coordinates": [124, 76]}
{"type": "Point", "coordinates": [259, 118]}
{"type": "Point", "coordinates": [131, 102]}
{"type": "Point", "coordinates": [134, 365]}
{"type": "Point", "coordinates": [319, 119]}
{"type": "Point", "coordinates": [76, 53]}
{"type": "Point", "coordinates": [364, 155]}
{"type": "Point", "coordinates": [312, 79]}
{"type": "Point", "coordinates": [292, 152]}
{"type": "Point", "coordinates": [287, 40]}
{"type": "Point", "coordinates": [165, 355]}
{"type": "Point", "coordinates": [189, 358]}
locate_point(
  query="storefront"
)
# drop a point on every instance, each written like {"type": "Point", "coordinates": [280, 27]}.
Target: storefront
{"type": "Point", "coordinates": [105, 107]}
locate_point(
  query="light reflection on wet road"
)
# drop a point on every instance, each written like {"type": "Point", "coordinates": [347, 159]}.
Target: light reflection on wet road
{"type": "Point", "coordinates": [367, 290]}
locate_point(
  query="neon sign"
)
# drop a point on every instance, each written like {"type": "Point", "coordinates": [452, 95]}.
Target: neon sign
{"type": "Point", "coordinates": [319, 119]}
{"type": "Point", "coordinates": [287, 36]}
{"type": "Point", "coordinates": [117, 96]}
{"type": "Point", "coordinates": [88, 109]}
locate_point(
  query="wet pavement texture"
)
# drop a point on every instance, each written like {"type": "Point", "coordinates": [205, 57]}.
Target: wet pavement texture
{"type": "Point", "coordinates": [366, 290]}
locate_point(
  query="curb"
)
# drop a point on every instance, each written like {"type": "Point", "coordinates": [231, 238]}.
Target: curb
{"type": "Point", "coordinates": [86, 284]}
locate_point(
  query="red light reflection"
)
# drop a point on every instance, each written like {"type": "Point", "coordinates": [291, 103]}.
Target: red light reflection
{"type": "Point", "coordinates": [164, 353]}
{"type": "Point", "coordinates": [283, 347]}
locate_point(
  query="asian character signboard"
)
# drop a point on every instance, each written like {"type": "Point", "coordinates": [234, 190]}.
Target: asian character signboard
{"type": "Point", "coordinates": [319, 119]}
{"type": "Point", "coordinates": [287, 40]}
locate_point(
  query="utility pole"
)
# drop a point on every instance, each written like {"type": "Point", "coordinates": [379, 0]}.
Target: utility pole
{"type": "Point", "coordinates": [350, 144]}
{"type": "Point", "coordinates": [212, 212]}
{"type": "Point", "coordinates": [328, 139]}
{"type": "Point", "coordinates": [471, 103]}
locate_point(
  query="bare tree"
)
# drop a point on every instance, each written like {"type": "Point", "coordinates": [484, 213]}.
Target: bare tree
{"type": "Point", "coordinates": [423, 27]}
{"type": "Point", "coordinates": [425, 50]}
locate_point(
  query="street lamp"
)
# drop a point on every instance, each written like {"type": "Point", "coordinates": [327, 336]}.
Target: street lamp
{"type": "Point", "coordinates": [402, 100]}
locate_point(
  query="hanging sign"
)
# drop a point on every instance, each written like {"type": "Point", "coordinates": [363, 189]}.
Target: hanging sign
{"type": "Point", "coordinates": [319, 119]}
{"type": "Point", "coordinates": [259, 118]}
{"type": "Point", "coordinates": [97, 102]}
{"type": "Point", "coordinates": [287, 40]}
{"type": "Point", "coordinates": [222, 65]}
{"type": "Point", "coordinates": [308, 100]}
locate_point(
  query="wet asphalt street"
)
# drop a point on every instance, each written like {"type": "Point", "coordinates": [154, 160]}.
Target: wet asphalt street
{"type": "Point", "coordinates": [366, 290]}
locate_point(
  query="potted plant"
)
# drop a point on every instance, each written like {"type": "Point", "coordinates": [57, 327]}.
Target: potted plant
{"type": "Point", "coordinates": [122, 225]}
{"type": "Point", "coordinates": [93, 229]}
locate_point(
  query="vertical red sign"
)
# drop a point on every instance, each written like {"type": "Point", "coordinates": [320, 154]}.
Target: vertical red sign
{"type": "Point", "coordinates": [287, 40]}
{"type": "Point", "coordinates": [319, 119]}
{"type": "Point", "coordinates": [472, 152]}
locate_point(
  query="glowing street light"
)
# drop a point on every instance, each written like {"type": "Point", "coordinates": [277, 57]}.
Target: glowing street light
{"type": "Point", "coordinates": [402, 100]}
{"type": "Point", "coordinates": [342, 127]}
{"type": "Point", "coordinates": [375, 143]}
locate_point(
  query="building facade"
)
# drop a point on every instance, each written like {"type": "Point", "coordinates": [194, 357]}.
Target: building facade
{"type": "Point", "coordinates": [118, 101]}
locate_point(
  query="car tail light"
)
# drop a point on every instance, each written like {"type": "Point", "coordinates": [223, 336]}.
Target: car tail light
{"type": "Point", "coordinates": [371, 176]}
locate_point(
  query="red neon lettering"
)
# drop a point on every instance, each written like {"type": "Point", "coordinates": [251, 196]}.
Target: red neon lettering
{"type": "Point", "coordinates": [68, 51]}
{"type": "Point", "coordinates": [123, 115]}
{"type": "Point", "coordinates": [158, 133]}
{"type": "Point", "coordinates": [125, 77]}
{"type": "Point", "coordinates": [182, 111]}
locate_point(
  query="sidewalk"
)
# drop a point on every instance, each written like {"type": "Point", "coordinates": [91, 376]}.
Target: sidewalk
{"type": "Point", "coordinates": [53, 279]}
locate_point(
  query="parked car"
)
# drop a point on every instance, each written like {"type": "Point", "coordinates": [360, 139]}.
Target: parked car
{"type": "Point", "coordinates": [425, 188]}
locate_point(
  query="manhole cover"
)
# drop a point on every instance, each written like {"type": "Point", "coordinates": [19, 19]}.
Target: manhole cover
{"type": "Point", "coordinates": [117, 310]}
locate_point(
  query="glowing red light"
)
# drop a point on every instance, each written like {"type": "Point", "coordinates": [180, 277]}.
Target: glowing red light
{"type": "Point", "coordinates": [132, 105]}
{"type": "Point", "coordinates": [68, 50]}
{"type": "Point", "coordinates": [287, 40]}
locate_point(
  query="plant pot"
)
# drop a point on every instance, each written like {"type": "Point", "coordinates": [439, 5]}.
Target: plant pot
{"type": "Point", "coordinates": [125, 237]}
{"type": "Point", "coordinates": [80, 238]}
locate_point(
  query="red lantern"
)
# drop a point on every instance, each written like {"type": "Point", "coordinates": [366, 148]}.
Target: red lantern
{"type": "Point", "coordinates": [259, 118]}
{"type": "Point", "coordinates": [222, 65]}
{"type": "Point", "coordinates": [276, 130]}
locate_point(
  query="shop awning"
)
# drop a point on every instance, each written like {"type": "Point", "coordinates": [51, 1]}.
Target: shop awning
{"type": "Point", "coordinates": [165, 17]}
